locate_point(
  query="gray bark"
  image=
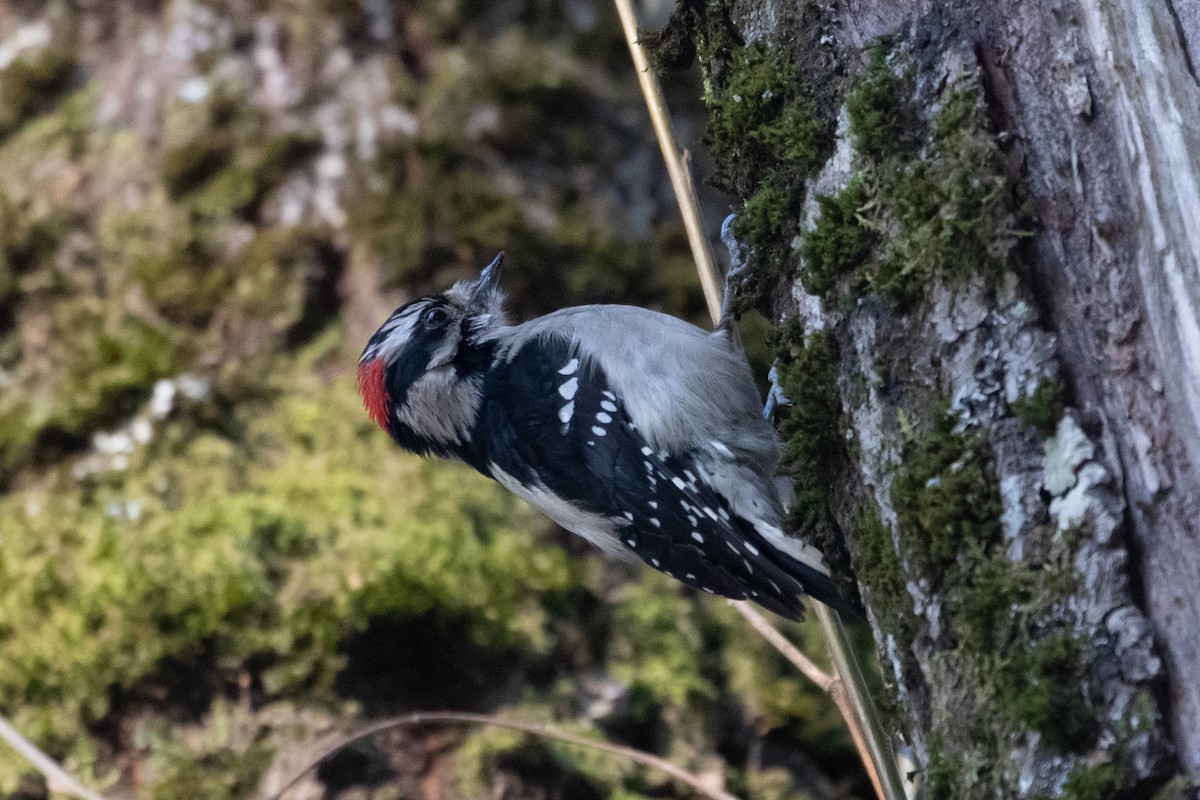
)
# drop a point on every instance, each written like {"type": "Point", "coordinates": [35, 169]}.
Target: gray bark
{"type": "Point", "coordinates": [1098, 108]}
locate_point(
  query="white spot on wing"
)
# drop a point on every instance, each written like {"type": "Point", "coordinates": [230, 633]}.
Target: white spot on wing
{"type": "Point", "coordinates": [565, 413]}
{"type": "Point", "coordinates": [696, 535]}
{"type": "Point", "coordinates": [568, 389]}
{"type": "Point", "coordinates": [596, 429]}
{"type": "Point", "coordinates": [654, 504]}
{"type": "Point", "coordinates": [570, 368]}
{"type": "Point", "coordinates": [608, 405]}
{"type": "Point", "coordinates": [753, 550]}
{"type": "Point", "coordinates": [721, 448]}
{"type": "Point", "coordinates": [605, 418]}
{"type": "Point", "coordinates": [654, 521]}
{"type": "Point", "coordinates": [679, 483]}
{"type": "Point", "coordinates": [654, 561]}
{"type": "Point", "coordinates": [646, 451]}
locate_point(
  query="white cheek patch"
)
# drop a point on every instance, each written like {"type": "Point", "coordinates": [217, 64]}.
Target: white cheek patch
{"type": "Point", "coordinates": [441, 407]}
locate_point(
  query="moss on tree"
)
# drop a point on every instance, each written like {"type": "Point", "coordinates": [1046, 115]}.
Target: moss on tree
{"type": "Point", "coordinates": [1043, 408]}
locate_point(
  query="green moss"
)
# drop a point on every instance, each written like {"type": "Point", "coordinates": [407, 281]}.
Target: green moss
{"type": "Point", "coordinates": [986, 609]}
{"type": "Point", "coordinates": [30, 234]}
{"type": "Point", "coordinates": [1098, 782]}
{"type": "Point", "coordinates": [264, 550]}
{"type": "Point", "coordinates": [770, 126]}
{"type": "Point", "coordinates": [277, 158]}
{"type": "Point", "coordinates": [945, 499]}
{"type": "Point", "coordinates": [1042, 409]}
{"type": "Point", "coordinates": [838, 245]}
{"type": "Point", "coordinates": [952, 205]}
{"type": "Point", "coordinates": [761, 119]}
{"type": "Point", "coordinates": [880, 120]}
{"type": "Point", "coordinates": [190, 165]}
{"type": "Point", "coordinates": [941, 779]}
{"type": "Point", "coordinates": [879, 569]}
{"type": "Point", "coordinates": [1042, 686]}
{"type": "Point", "coordinates": [33, 82]}
{"type": "Point", "coordinates": [218, 774]}
{"type": "Point", "coordinates": [937, 192]}
{"type": "Point", "coordinates": [224, 160]}
{"type": "Point", "coordinates": [763, 226]}
{"type": "Point", "coordinates": [765, 212]}
{"type": "Point", "coordinates": [696, 28]}
{"type": "Point", "coordinates": [812, 427]}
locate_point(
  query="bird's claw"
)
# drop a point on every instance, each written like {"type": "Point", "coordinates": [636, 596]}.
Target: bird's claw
{"type": "Point", "coordinates": [737, 266]}
{"type": "Point", "coordinates": [776, 399]}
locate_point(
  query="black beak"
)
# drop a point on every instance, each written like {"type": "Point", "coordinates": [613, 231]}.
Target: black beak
{"type": "Point", "coordinates": [490, 277]}
{"type": "Point", "coordinates": [488, 282]}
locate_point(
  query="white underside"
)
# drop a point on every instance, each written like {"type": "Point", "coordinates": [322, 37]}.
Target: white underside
{"type": "Point", "coordinates": [599, 530]}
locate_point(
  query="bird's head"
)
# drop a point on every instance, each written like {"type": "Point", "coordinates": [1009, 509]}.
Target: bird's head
{"type": "Point", "coordinates": [426, 344]}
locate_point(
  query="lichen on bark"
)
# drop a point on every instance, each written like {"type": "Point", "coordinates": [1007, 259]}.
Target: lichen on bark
{"type": "Point", "coordinates": [995, 575]}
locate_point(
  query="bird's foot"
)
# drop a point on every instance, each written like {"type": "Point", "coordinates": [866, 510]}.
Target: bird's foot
{"type": "Point", "coordinates": [776, 399]}
{"type": "Point", "coordinates": [737, 268]}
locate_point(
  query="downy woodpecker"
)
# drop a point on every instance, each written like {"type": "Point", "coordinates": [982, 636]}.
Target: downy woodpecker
{"type": "Point", "coordinates": [638, 431]}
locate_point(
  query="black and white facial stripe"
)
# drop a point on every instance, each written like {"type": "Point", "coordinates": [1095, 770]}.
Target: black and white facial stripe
{"type": "Point", "coordinates": [432, 375]}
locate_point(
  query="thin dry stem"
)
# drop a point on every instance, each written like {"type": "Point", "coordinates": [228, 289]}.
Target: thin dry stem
{"type": "Point", "coordinates": [681, 180]}
{"type": "Point", "coordinates": [788, 650]}
{"type": "Point", "coordinates": [847, 688]}
{"type": "Point", "coordinates": [57, 778]}
{"type": "Point", "coordinates": [830, 684]}
{"type": "Point", "coordinates": [533, 729]}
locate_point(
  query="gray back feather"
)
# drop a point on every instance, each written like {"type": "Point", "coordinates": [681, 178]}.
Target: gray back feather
{"type": "Point", "coordinates": [684, 387]}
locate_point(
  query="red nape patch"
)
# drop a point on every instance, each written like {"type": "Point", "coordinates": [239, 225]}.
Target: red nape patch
{"type": "Point", "coordinates": [374, 395]}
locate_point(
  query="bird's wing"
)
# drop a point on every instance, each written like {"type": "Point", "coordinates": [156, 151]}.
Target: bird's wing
{"type": "Point", "coordinates": [680, 384]}
{"type": "Point", "coordinates": [566, 443]}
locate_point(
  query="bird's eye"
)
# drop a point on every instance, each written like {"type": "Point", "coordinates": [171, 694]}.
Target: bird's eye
{"type": "Point", "coordinates": [435, 317]}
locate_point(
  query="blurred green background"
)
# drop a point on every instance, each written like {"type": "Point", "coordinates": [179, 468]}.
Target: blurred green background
{"type": "Point", "coordinates": [209, 557]}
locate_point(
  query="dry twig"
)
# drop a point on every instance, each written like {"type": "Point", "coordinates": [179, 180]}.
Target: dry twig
{"type": "Point", "coordinates": [677, 167]}
{"type": "Point", "coordinates": [57, 778]}
{"type": "Point", "coordinates": [534, 729]}
{"type": "Point", "coordinates": [830, 684]}
{"type": "Point", "coordinates": [847, 687]}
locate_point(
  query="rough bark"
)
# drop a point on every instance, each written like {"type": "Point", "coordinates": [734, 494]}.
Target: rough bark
{"type": "Point", "coordinates": [1091, 108]}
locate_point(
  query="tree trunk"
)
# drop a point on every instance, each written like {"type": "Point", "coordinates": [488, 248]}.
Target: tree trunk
{"type": "Point", "coordinates": [977, 225]}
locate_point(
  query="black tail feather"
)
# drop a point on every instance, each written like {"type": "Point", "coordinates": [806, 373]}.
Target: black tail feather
{"type": "Point", "coordinates": [820, 587]}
